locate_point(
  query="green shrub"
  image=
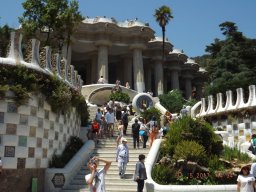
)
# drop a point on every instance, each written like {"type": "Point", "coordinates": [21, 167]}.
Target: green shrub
{"type": "Point", "coordinates": [195, 130]}
{"type": "Point", "coordinates": [229, 154]}
{"type": "Point", "coordinates": [120, 96]}
{"type": "Point", "coordinates": [22, 81]}
{"type": "Point", "coordinates": [163, 174]}
{"type": "Point", "coordinates": [190, 151]}
{"type": "Point", "coordinates": [172, 101]}
{"type": "Point", "coordinates": [150, 112]}
{"type": "Point", "coordinates": [73, 145]}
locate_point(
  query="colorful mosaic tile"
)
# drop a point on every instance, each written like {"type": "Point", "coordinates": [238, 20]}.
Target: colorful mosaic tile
{"type": "Point", "coordinates": [38, 163]}
{"type": "Point", "coordinates": [40, 122]}
{"type": "Point", "coordinates": [45, 153]}
{"type": "Point", "coordinates": [23, 141]}
{"type": "Point", "coordinates": [56, 136]}
{"type": "Point", "coordinates": [39, 142]}
{"type": "Point", "coordinates": [21, 163]}
{"type": "Point", "coordinates": [23, 119]}
{"type": "Point", "coordinates": [247, 125]}
{"type": "Point", "coordinates": [46, 133]}
{"type": "Point", "coordinates": [50, 144]}
{"type": "Point", "coordinates": [11, 129]}
{"type": "Point", "coordinates": [32, 131]}
{"type": "Point", "coordinates": [9, 151]}
{"type": "Point", "coordinates": [1, 117]}
{"type": "Point", "coordinates": [31, 152]}
{"type": "Point", "coordinates": [12, 108]}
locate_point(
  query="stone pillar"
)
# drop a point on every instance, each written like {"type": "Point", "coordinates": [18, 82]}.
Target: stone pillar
{"type": "Point", "coordinates": [94, 72]}
{"type": "Point", "coordinates": [148, 74]}
{"type": "Point", "coordinates": [188, 87]}
{"type": "Point", "coordinates": [158, 75]}
{"type": "Point", "coordinates": [175, 79]}
{"type": "Point", "coordinates": [103, 58]}
{"type": "Point", "coordinates": [199, 90]}
{"type": "Point", "coordinates": [138, 71]}
{"type": "Point", "coordinates": [127, 70]}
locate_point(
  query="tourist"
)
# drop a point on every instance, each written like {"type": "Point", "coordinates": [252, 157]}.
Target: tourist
{"type": "Point", "coordinates": [95, 130]}
{"type": "Point", "coordinates": [153, 129]}
{"type": "Point", "coordinates": [127, 85]}
{"type": "Point", "coordinates": [110, 119]}
{"type": "Point", "coordinates": [253, 169]}
{"type": "Point", "coordinates": [96, 179]}
{"type": "Point", "coordinates": [120, 133]}
{"type": "Point", "coordinates": [122, 157]}
{"type": "Point", "coordinates": [140, 174]}
{"type": "Point", "coordinates": [118, 111]}
{"type": "Point", "coordinates": [135, 134]}
{"type": "Point", "coordinates": [144, 132]}
{"type": "Point", "coordinates": [245, 180]}
{"type": "Point", "coordinates": [101, 80]}
{"type": "Point", "coordinates": [125, 120]}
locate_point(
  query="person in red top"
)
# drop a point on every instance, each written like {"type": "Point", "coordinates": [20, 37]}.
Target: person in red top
{"type": "Point", "coordinates": [95, 130]}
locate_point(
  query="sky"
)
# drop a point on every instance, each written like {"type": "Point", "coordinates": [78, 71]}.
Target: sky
{"type": "Point", "coordinates": [194, 26]}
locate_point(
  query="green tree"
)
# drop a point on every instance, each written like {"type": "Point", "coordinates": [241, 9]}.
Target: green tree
{"type": "Point", "coordinates": [4, 39]}
{"type": "Point", "coordinates": [231, 62]}
{"type": "Point", "coordinates": [51, 21]}
{"type": "Point", "coordinates": [163, 15]}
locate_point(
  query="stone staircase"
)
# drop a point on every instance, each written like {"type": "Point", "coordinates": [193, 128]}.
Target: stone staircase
{"type": "Point", "coordinates": [106, 149]}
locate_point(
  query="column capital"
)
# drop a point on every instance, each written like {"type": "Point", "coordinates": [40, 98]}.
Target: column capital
{"type": "Point", "coordinates": [103, 42]}
{"type": "Point", "coordinates": [138, 46]}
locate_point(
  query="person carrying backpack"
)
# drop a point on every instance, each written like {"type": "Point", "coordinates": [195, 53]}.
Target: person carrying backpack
{"type": "Point", "coordinates": [135, 134]}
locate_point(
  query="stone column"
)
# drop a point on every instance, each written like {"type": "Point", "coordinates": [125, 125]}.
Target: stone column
{"type": "Point", "coordinates": [158, 75]}
{"type": "Point", "coordinates": [188, 86]}
{"type": "Point", "coordinates": [139, 84]}
{"type": "Point", "coordinates": [127, 70]}
{"type": "Point", "coordinates": [175, 79]}
{"type": "Point", "coordinates": [103, 58]}
{"type": "Point", "coordinates": [199, 90]}
{"type": "Point", "coordinates": [94, 72]}
{"type": "Point", "coordinates": [148, 74]}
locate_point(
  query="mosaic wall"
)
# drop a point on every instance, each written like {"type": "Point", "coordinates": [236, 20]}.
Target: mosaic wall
{"type": "Point", "coordinates": [238, 130]}
{"type": "Point", "coordinates": [30, 134]}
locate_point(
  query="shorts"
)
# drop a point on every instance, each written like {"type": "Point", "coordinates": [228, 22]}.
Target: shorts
{"type": "Point", "coordinates": [95, 130]}
{"type": "Point", "coordinates": [141, 133]}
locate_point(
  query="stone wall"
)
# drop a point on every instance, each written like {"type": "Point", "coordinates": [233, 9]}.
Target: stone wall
{"type": "Point", "coordinates": [30, 134]}
{"type": "Point", "coordinates": [14, 180]}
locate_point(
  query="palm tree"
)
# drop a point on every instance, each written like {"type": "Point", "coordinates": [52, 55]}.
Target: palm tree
{"type": "Point", "coordinates": [163, 15]}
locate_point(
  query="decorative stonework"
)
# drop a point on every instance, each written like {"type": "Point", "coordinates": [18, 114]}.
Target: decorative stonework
{"type": "Point", "coordinates": [9, 151]}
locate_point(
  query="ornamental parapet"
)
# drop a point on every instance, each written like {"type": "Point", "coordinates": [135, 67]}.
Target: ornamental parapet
{"type": "Point", "coordinates": [41, 60]}
{"type": "Point", "coordinates": [202, 109]}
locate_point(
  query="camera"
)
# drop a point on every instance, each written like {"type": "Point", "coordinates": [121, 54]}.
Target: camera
{"type": "Point", "coordinates": [92, 161]}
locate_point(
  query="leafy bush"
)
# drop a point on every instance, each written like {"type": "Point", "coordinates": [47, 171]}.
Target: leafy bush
{"type": "Point", "coordinates": [172, 101]}
{"type": "Point", "coordinates": [150, 112]}
{"type": "Point", "coordinates": [229, 154]}
{"type": "Point", "coordinates": [195, 130]}
{"type": "Point", "coordinates": [22, 81]}
{"type": "Point", "coordinates": [120, 96]}
{"type": "Point", "coordinates": [73, 145]}
{"type": "Point", "coordinates": [190, 151]}
{"type": "Point", "coordinates": [163, 174]}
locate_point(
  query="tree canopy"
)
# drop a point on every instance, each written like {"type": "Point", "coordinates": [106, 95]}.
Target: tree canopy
{"type": "Point", "coordinates": [231, 63]}
{"type": "Point", "coordinates": [51, 21]}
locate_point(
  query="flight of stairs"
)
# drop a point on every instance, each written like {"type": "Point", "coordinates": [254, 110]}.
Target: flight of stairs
{"type": "Point", "coordinates": [106, 149]}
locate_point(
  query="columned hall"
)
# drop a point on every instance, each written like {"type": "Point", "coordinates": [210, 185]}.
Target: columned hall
{"type": "Point", "coordinates": [128, 51]}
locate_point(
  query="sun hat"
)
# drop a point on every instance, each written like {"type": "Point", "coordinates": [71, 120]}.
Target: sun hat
{"type": "Point", "coordinates": [123, 139]}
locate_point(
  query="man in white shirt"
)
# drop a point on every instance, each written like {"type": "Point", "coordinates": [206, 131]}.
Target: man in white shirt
{"type": "Point", "coordinates": [101, 80]}
{"type": "Point", "coordinates": [96, 179]}
{"type": "Point", "coordinates": [122, 157]}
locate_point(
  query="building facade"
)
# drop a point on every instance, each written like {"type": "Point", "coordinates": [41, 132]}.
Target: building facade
{"type": "Point", "coordinates": [129, 51]}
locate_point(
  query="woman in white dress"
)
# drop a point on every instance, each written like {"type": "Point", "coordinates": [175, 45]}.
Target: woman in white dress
{"type": "Point", "coordinates": [245, 180]}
